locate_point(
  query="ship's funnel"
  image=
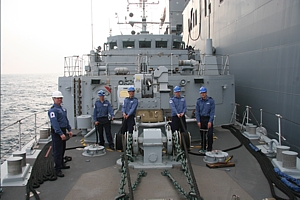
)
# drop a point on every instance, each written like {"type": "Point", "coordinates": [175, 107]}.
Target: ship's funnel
{"type": "Point", "coordinates": [208, 49]}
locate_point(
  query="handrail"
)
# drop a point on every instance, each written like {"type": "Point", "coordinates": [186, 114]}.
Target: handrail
{"type": "Point", "coordinates": [21, 120]}
{"type": "Point", "coordinates": [75, 65]}
{"type": "Point", "coordinates": [35, 125]}
{"type": "Point", "coordinates": [246, 118]}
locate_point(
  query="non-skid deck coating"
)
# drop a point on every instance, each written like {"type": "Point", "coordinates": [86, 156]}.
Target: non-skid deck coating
{"type": "Point", "coordinates": [103, 184]}
{"type": "Point", "coordinates": [99, 178]}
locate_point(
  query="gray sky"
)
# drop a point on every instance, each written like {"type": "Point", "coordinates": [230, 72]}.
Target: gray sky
{"type": "Point", "coordinates": [36, 35]}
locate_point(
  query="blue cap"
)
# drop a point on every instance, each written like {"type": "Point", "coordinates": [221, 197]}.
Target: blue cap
{"type": "Point", "coordinates": [131, 89]}
{"type": "Point", "coordinates": [177, 89]}
{"type": "Point", "coordinates": [101, 93]}
{"type": "Point", "coordinates": [202, 90]}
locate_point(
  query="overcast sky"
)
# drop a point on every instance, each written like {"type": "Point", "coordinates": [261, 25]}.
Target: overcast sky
{"type": "Point", "coordinates": [36, 35]}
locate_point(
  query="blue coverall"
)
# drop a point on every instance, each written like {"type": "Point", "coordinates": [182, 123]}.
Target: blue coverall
{"type": "Point", "coordinates": [102, 110]}
{"type": "Point", "coordinates": [178, 105]}
{"type": "Point", "coordinates": [205, 112]}
{"type": "Point", "coordinates": [129, 108]}
{"type": "Point", "coordinates": [59, 125]}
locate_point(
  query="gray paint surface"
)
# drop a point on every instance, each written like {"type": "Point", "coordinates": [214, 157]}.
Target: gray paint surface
{"type": "Point", "coordinates": [263, 43]}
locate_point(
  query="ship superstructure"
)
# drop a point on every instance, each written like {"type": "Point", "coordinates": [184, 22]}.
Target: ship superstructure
{"type": "Point", "coordinates": [154, 64]}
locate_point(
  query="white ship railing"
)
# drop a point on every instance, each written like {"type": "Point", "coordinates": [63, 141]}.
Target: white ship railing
{"type": "Point", "coordinates": [222, 64]}
{"type": "Point", "coordinates": [249, 118]}
{"type": "Point", "coordinates": [21, 132]}
{"type": "Point", "coordinates": [73, 66]}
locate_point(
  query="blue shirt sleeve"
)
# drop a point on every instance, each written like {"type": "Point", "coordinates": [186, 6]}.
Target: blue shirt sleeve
{"type": "Point", "coordinates": [197, 111]}
{"type": "Point", "coordinates": [95, 113]}
{"type": "Point", "coordinates": [133, 107]}
{"type": "Point", "coordinates": [212, 111]}
{"type": "Point", "coordinates": [123, 106]}
{"type": "Point", "coordinates": [184, 106]}
{"type": "Point", "coordinates": [110, 110]}
{"type": "Point", "coordinates": [68, 123]}
{"type": "Point", "coordinates": [172, 104]}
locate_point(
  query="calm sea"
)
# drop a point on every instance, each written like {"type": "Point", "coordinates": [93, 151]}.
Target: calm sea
{"type": "Point", "coordinates": [21, 97]}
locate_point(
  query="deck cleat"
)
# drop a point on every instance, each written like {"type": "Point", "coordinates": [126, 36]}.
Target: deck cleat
{"type": "Point", "coordinates": [94, 150]}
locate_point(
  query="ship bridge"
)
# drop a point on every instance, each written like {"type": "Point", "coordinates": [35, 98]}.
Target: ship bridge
{"type": "Point", "coordinates": [144, 42]}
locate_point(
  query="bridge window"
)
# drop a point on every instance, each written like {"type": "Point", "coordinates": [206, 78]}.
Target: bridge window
{"type": "Point", "coordinates": [113, 45]}
{"type": "Point", "coordinates": [161, 44]}
{"type": "Point", "coordinates": [178, 45]}
{"type": "Point", "coordinates": [128, 44]}
{"type": "Point", "coordinates": [144, 44]}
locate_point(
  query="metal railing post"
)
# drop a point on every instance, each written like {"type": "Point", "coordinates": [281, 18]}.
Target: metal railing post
{"type": "Point", "coordinates": [261, 118]}
{"type": "Point", "coordinates": [34, 124]}
{"type": "Point", "coordinates": [171, 64]}
{"type": "Point", "coordinates": [247, 118]}
{"type": "Point", "coordinates": [19, 135]}
{"type": "Point", "coordinates": [279, 128]}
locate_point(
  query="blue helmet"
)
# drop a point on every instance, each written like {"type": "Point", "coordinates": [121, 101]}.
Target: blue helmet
{"type": "Point", "coordinates": [131, 89]}
{"type": "Point", "coordinates": [101, 93]}
{"type": "Point", "coordinates": [202, 90]}
{"type": "Point", "coordinates": [177, 89]}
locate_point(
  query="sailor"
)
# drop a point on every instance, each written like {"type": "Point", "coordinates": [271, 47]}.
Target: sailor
{"type": "Point", "coordinates": [129, 110]}
{"type": "Point", "coordinates": [103, 112]}
{"type": "Point", "coordinates": [178, 106]}
{"type": "Point", "coordinates": [205, 113]}
{"type": "Point", "coordinates": [60, 132]}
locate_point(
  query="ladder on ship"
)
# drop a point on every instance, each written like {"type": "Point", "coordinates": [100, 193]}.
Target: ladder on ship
{"type": "Point", "coordinates": [77, 97]}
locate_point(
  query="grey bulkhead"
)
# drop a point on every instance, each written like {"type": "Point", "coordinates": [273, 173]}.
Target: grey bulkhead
{"type": "Point", "coordinates": [153, 72]}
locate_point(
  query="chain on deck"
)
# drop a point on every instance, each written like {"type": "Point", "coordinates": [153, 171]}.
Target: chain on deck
{"type": "Point", "coordinates": [193, 194]}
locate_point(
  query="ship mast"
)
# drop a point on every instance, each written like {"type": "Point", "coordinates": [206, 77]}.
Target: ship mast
{"type": "Point", "coordinates": [144, 21]}
{"type": "Point", "coordinates": [141, 3]}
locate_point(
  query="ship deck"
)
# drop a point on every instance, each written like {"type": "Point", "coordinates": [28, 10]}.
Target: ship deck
{"type": "Point", "coordinates": [99, 177]}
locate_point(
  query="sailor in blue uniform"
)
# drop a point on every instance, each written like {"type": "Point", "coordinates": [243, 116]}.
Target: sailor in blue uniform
{"type": "Point", "coordinates": [129, 110]}
{"type": "Point", "coordinates": [178, 106]}
{"type": "Point", "coordinates": [205, 113]}
{"type": "Point", "coordinates": [59, 127]}
{"type": "Point", "coordinates": [102, 112]}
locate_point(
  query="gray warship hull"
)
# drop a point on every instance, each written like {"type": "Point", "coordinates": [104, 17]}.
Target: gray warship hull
{"type": "Point", "coordinates": [262, 41]}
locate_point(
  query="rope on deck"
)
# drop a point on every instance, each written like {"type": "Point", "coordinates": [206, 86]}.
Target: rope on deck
{"type": "Point", "coordinates": [265, 164]}
{"type": "Point", "coordinates": [42, 170]}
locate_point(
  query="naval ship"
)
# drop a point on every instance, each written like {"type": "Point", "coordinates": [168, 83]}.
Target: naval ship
{"type": "Point", "coordinates": [261, 39]}
{"type": "Point", "coordinates": [153, 162]}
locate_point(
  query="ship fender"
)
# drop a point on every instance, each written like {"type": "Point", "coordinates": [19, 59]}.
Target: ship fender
{"type": "Point", "coordinates": [289, 181]}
